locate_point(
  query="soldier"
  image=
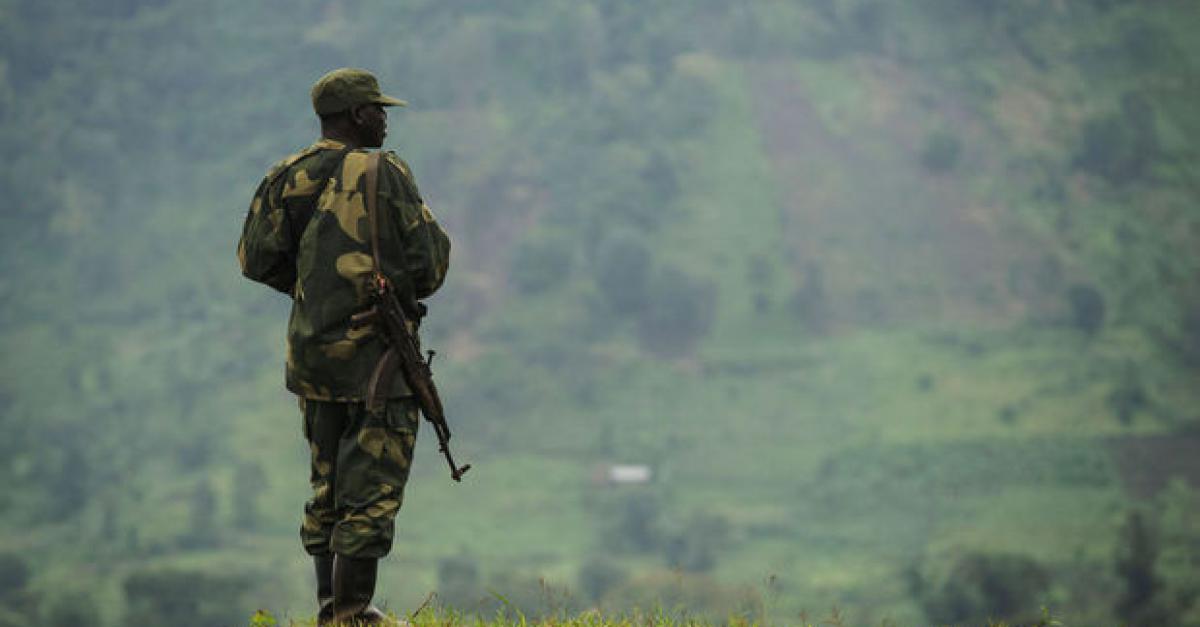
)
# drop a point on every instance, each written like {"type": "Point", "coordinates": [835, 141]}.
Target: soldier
{"type": "Point", "coordinates": [308, 235]}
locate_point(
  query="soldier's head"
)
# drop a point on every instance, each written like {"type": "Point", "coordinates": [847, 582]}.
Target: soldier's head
{"type": "Point", "coordinates": [351, 107]}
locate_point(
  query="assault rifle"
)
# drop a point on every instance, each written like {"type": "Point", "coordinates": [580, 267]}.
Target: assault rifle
{"type": "Point", "coordinates": [400, 335]}
{"type": "Point", "coordinates": [404, 352]}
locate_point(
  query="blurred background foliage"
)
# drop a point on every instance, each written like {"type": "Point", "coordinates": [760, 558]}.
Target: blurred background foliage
{"type": "Point", "coordinates": [900, 302]}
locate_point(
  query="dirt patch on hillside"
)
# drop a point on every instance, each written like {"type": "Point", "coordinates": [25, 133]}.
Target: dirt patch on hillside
{"type": "Point", "coordinates": [889, 239]}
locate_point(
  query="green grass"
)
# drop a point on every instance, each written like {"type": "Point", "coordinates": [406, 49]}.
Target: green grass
{"type": "Point", "coordinates": [843, 475]}
{"type": "Point", "coordinates": [448, 617]}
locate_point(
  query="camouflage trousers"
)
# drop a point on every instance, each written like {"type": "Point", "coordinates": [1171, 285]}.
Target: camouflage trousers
{"type": "Point", "coordinates": [360, 464]}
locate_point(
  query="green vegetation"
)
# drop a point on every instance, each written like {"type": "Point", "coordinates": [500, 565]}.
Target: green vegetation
{"type": "Point", "coordinates": [444, 617]}
{"type": "Point", "coordinates": [899, 302]}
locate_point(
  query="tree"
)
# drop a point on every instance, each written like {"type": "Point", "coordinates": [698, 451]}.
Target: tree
{"type": "Point", "coordinates": [695, 547]}
{"type": "Point", "coordinates": [598, 575]}
{"type": "Point", "coordinates": [1120, 147]}
{"type": "Point", "coordinates": [541, 264]}
{"type": "Point", "coordinates": [982, 587]}
{"type": "Point", "coordinates": [941, 151]}
{"type": "Point", "coordinates": [70, 610]}
{"type": "Point", "coordinates": [1188, 346]}
{"type": "Point", "coordinates": [14, 574]}
{"type": "Point", "coordinates": [679, 312]}
{"type": "Point", "coordinates": [1087, 308]}
{"type": "Point", "coordinates": [809, 302]}
{"type": "Point", "coordinates": [249, 483]}
{"type": "Point", "coordinates": [637, 525]}
{"type": "Point", "coordinates": [622, 271]}
{"type": "Point", "coordinates": [1128, 396]}
{"type": "Point", "coordinates": [184, 598]}
{"type": "Point", "coordinates": [1135, 563]}
{"type": "Point", "coordinates": [458, 580]}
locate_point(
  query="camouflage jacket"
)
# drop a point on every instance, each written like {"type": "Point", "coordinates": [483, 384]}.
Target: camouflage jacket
{"type": "Point", "coordinates": [307, 235]}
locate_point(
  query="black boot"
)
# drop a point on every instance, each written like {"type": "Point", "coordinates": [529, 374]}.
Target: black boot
{"type": "Point", "coordinates": [324, 568]}
{"type": "Point", "coordinates": [353, 587]}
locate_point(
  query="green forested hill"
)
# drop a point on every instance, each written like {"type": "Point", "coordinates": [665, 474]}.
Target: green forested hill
{"type": "Point", "coordinates": [900, 302]}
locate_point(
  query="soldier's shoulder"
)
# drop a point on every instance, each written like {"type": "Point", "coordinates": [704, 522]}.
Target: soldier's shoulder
{"type": "Point", "coordinates": [311, 152]}
{"type": "Point", "coordinates": [394, 160]}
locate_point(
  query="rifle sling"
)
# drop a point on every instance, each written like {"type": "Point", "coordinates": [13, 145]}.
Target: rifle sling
{"type": "Point", "coordinates": [381, 379]}
{"type": "Point", "coordinates": [380, 383]}
{"type": "Point", "coordinates": [379, 386]}
{"type": "Point", "coordinates": [372, 212]}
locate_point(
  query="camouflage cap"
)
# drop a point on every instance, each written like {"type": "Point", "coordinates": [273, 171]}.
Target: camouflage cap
{"type": "Point", "coordinates": [346, 87]}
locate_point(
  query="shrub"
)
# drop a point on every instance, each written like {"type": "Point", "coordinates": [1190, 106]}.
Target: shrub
{"type": "Point", "coordinates": [1136, 565]}
{"type": "Point", "coordinates": [184, 598]}
{"type": "Point", "coordinates": [598, 575]}
{"type": "Point", "coordinates": [18, 601]}
{"type": "Point", "coordinates": [941, 151]}
{"type": "Point", "coordinates": [695, 547]}
{"type": "Point", "coordinates": [622, 272]}
{"type": "Point", "coordinates": [1087, 308]}
{"type": "Point", "coordinates": [1008, 414]}
{"type": "Point", "coordinates": [541, 265]}
{"type": "Point", "coordinates": [250, 481]}
{"type": "Point", "coordinates": [691, 103]}
{"type": "Point", "coordinates": [14, 574]}
{"type": "Point", "coordinates": [1128, 396]}
{"type": "Point", "coordinates": [809, 303]}
{"type": "Point", "coordinates": [659, 179]}
{"type": "Point", "coordinates": [679, 313]}
{"type": "Point", "coordinates": [514, 597]}
{"type": "Point", "coordinates": [760, 273]}
{"type": "Point", "coordinates": [70, 610]}
{"type": "Point", "coordinates": [1188, 346]}
{"type": "Point", "coordinates": [978, 587]}
{"type": "Point", "coordinates": [458, 581]}
{"type": "Point", "coordinates": [203, 527]}
{"type": "Point", "coordinates": [637, 526]}
{"type": "Point", "coordinates": [1119, 147]}
{"type": "Point", "coordinates": [683, 596]}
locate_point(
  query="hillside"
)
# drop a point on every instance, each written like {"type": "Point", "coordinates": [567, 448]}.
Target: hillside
{"type": "Point", "coordinates": [900, 305]}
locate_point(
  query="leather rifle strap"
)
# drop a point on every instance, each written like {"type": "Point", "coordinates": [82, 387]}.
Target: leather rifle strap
{"type": "Point", "coordinates": [380, 382]}
{"type": "Point", "coordinates": [372, 209]}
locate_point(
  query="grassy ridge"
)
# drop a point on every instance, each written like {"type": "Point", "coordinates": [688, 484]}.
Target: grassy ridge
{"type": "Point", "coordinates": [446, 617]}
